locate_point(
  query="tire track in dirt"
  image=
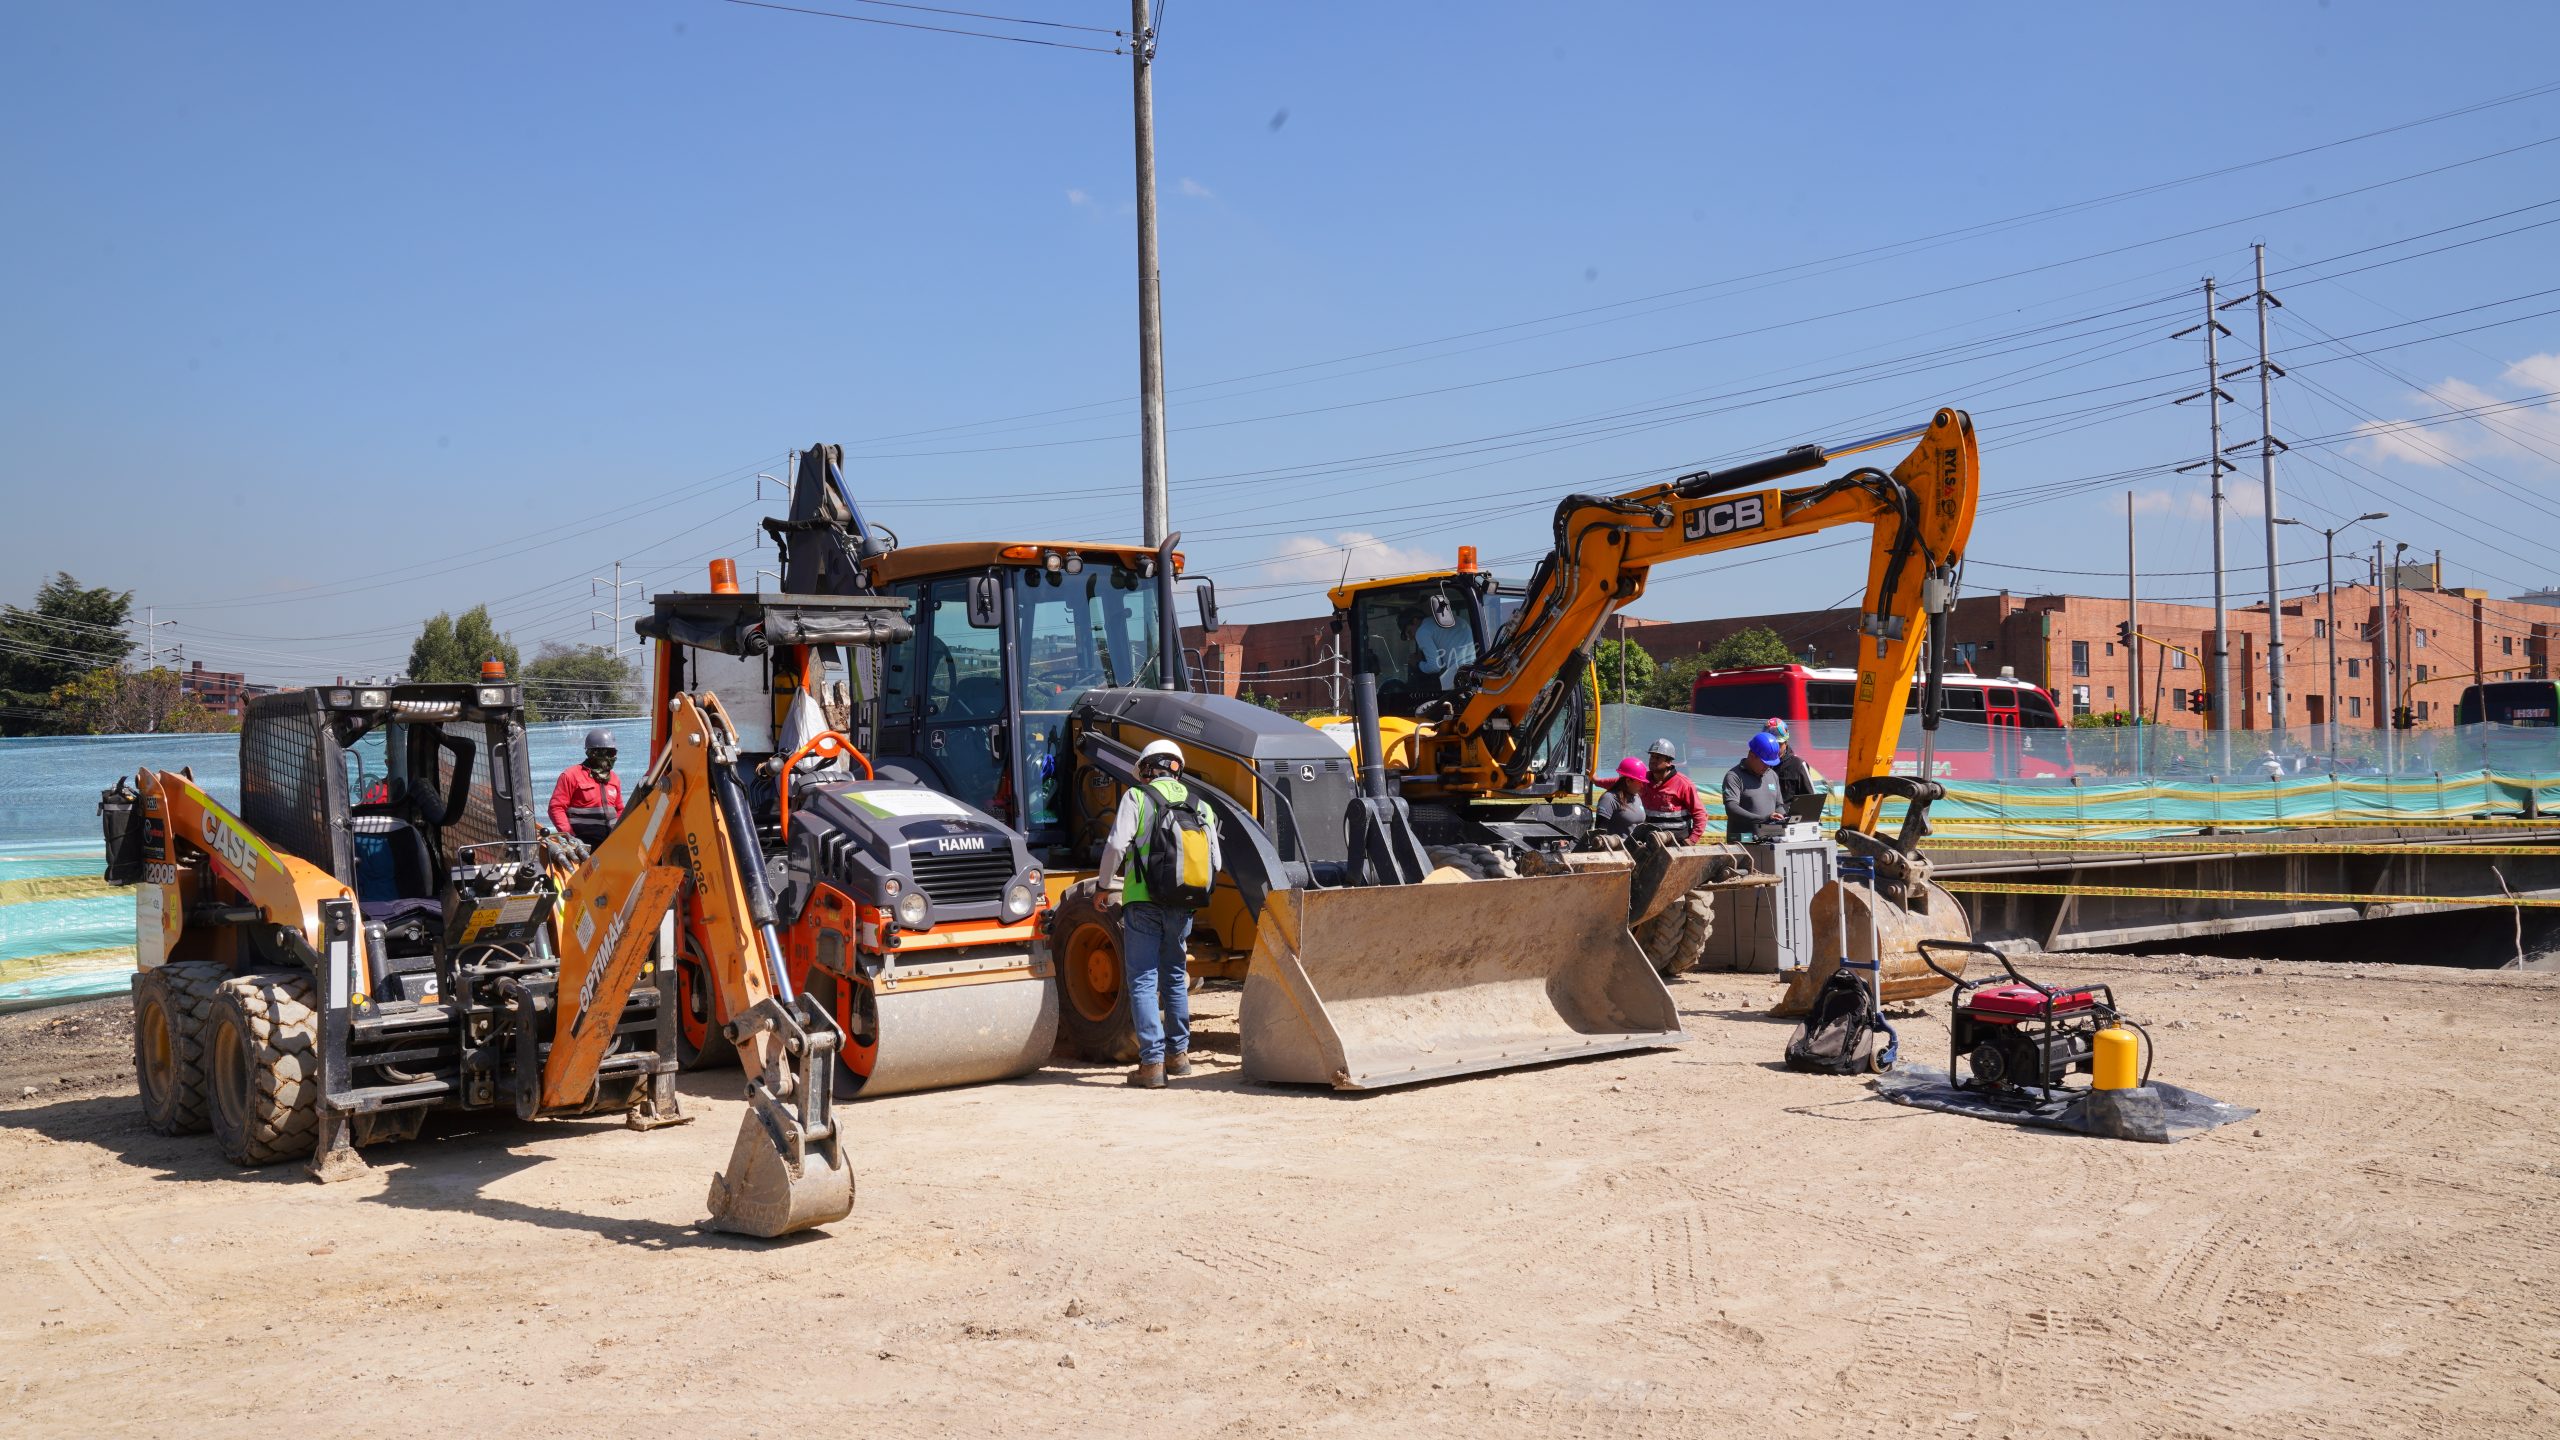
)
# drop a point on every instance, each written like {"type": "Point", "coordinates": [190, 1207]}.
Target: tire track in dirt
{"type": "Point", "coordinates": [119, 1278]}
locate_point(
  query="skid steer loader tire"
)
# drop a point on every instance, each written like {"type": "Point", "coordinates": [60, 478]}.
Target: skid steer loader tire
{"type": "Point", "coordinates": [262, 1066]}
{"type": "Point", "coordinates": [1093, 983]}
{"type": "Point", "coordinates": [1674, 939]}
{"type": "Point", "coordinates": [700, 1042]}
{"type": "Point", "coordinates": [1477, 862]}
{"type": "Point", "coordinates": [172, 1009]}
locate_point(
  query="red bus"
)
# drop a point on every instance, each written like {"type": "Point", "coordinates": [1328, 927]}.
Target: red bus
{"type": "Point", "coordinates": [1993, 728]}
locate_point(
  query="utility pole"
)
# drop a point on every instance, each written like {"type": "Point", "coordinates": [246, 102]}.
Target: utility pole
{"type": "Point", "coordinates": [2213, 464]}
{"type": "Point", "coordinates": [151, 636]}
{"type": "Point", "coordinates": [2268, 445]}
{"type": "Point", "coordinates": [1155, 505]}
{"type": "Point", "coordinates": [2390, 674]}
{"type": "Point", "coordinates": [619, 585]}
{"type": "Point", "coordinates": [2132, 618]}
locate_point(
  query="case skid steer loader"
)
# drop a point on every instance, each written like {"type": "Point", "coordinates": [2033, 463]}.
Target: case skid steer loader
{"type": "Point", "coordinates": [1039, 670]}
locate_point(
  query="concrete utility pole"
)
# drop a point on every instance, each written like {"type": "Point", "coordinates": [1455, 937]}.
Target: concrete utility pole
{"type": "Point", "coordinates": [2132, 618]}
{"type": "Point", "coordinates": [2390, 736]}
{"type": "Point", "coordinates": [615, 615]}
{"type": "Point", "coordinates": [1155, 507]}
{"type": "Point", "coordinates": [2268, 445]}
{"type": "Point", "coordinates": [2213, 464]}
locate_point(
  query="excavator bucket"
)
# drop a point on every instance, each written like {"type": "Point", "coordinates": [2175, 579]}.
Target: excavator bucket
{"type": "Point", "coordinates": [1370, 986]}
{"type": "Point", "coordinates": [1872, 923]}
{"type": "Point", "coordinates": [787, 1170]}
{"type": "Point", "coordinates": [1664, 873]}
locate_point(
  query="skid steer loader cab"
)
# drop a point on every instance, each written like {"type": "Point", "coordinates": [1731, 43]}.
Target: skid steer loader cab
{"type": "Point", "coordinates": [904, 910]}
{"type": "Point", "coordinates": [366, 938]}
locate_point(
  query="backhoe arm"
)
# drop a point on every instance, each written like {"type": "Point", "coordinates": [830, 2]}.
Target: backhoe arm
{"type": "Point", "coordinates": [787, 1170]}
{"type": "Point", "coordinates": [609, 905]}
{"type": "Point", "coordinates": [1921, 511]}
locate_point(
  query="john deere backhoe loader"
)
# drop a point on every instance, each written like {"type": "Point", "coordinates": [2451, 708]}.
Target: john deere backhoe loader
{"type": "Point", "coordinates": [1485, 687]}
{"type": "Point", "coordinates": [1037, 672]}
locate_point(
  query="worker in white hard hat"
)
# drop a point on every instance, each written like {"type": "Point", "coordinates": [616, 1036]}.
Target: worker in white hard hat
{"type": "Point", "coordinates": [1161, 860]}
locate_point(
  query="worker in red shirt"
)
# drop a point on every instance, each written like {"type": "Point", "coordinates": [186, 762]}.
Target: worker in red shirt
{"type": "Point", "coordinates": [588, 800]}
{"type": "Point", "coordinates": [1669, 799]}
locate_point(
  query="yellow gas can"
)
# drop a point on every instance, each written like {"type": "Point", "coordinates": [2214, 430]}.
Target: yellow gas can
{"type": "Point", "coordinates": [2116, 1059]}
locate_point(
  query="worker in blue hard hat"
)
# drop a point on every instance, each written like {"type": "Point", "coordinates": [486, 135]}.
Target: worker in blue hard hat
{"type": "Point", "coordinates": [1751, 793]}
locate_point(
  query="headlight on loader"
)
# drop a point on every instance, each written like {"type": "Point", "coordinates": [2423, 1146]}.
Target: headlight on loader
{"type": "Point", "coordinates": [1020, 899]}
{"type": "Point", "coordinates": [912, 911]}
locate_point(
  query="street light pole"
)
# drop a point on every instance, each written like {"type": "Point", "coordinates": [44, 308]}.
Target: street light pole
{"type": "Point", "coordinates": [2329, 550]}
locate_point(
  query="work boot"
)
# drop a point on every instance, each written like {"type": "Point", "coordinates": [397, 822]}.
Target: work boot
{"type": "Point", "coordinates": [1178, 1063]}
{"type": "Point", "coordinates": [1148, 1076]}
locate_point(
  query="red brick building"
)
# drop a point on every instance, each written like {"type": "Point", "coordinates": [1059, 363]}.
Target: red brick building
{"type": "Point", "coordinates": [2067, 643]}
{"type": "Point", "coordinates": [226, 691]}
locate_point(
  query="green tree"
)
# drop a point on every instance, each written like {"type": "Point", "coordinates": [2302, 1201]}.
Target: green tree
{"type": "Point", "coordinates": [1625, 668]}
{"type": "Point", "coordinates": [1672, 682]}
{"type": "Point", "coordinates": [1744, 649]}
{"type": "Point", "coordinates": [110, 701]}
{"type": "Point", "coordinates": [70, 631]}
{"type": "Point", "coordinates": [581, 682]}
{"type": "Point", "coordinates": [449, 651]}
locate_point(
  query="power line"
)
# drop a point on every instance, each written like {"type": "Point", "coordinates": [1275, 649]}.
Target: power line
{"type": "Point", "coordinates": [947, 29]}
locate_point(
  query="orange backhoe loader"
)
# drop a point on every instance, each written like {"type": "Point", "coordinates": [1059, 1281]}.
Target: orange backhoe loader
{"type": "Point", "coordinates": [316, 973]}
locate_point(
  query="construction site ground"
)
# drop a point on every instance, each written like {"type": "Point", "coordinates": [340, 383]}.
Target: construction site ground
{"type": "Point", "coordinates": [1679, 1243]}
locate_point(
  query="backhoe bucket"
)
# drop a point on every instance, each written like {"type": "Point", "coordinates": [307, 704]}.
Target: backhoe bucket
{"type": "Point", "coordinates": [1365, 987]}
{"type": "Point", "coordinates": [1664, 873]}
{"type": "Point", "coordinates": [1897, 930]}
{"type": "Point", "coordinates": [787, 1170]}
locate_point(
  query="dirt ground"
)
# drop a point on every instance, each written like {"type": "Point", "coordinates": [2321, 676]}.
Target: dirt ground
{"type": "Point", "coordinates": [1680, 1243]}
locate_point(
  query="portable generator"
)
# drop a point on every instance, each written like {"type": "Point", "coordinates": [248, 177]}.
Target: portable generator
{"type": "Point", "coordinates": [2023, 1040]}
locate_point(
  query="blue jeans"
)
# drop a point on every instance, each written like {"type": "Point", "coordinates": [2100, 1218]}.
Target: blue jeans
{"type": "Point", "coordinates": [1152, 937]}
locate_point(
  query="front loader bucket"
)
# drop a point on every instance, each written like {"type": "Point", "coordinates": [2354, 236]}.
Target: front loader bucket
{"type": "Point", "coordinates": [1366, 987]}
{"type": "Point", "coordinates": [787, 1170]}
{"type": "Point", "coordinates": [1899, 931]}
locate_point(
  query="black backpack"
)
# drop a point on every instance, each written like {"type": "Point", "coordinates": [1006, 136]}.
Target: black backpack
{"type": "Point", "coordinates": [1843, 1035]}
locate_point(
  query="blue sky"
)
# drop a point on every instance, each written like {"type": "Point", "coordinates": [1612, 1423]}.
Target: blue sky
{"type": "Point", "coordinates": [326, 317]}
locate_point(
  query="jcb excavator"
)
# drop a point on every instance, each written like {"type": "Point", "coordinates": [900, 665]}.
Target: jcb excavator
{"type": "Point", "coordinates": [1484, 688]}
{"type": "Point", "coordinates": [318, 971]}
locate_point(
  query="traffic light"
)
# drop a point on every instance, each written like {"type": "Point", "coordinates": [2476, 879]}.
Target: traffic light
{"type": "Point", "coordinates": [2404, 718]}
{"type": "Point", "coordinates": [2200, 701]}
{"type": "Point", "coordinates": [2124, 633]}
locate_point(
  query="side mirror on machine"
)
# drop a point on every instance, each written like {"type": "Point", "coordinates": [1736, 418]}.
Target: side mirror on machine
{"type": "Point", "coordinates": [1208, 598]}
{"type": "Point", "coordinates": [986, 604]}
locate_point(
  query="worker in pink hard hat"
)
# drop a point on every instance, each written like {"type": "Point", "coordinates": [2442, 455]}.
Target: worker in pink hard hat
{"type": "Point", "coordinates": [1621, 806]}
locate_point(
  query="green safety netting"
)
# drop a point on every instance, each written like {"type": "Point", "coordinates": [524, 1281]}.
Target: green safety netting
{"type": "Point", "coordinates": [67, 935]}
{"type": "Point", "coordinates": [2130, 779]}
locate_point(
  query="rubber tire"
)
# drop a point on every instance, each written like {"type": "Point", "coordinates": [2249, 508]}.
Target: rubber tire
{"type": "Point", "coordinates": [1107, 1036]}
{"type": "Point", "coordinates": [1675, 939]}
{"type": "Point", "coordinates": [693, 981]}
{"type": "Point", "coordinates": [262, 1067]}
{"type": "Point", "coordinates": [172, 1009]}
{"type": "Point", "coordinates": [1480, 862]}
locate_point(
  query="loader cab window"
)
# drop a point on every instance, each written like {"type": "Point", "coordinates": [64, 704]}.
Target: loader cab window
{"type": "Point", "coordinates": [1073, 633]}
{"type": "Point", "coordinates": [1416, 658]}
